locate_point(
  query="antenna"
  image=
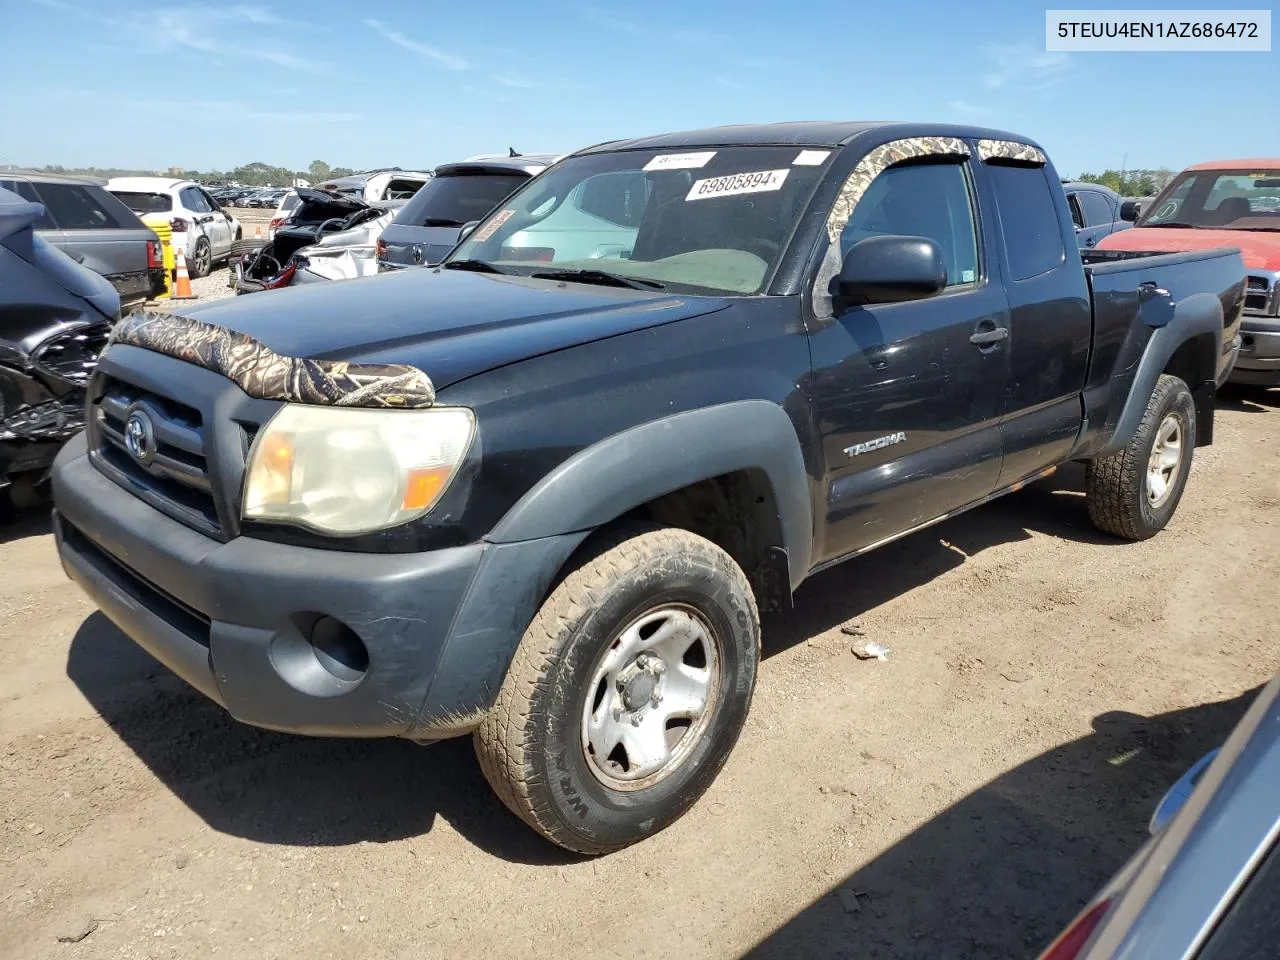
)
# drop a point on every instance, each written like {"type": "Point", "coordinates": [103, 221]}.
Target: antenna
{"type": "Point", "coordinates": [511, 152]}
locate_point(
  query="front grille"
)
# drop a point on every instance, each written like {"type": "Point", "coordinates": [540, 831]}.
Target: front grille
{"type": "Point", "coordinates": [1258, 283]}
{"type": "Point", "coordinates": [176, 478]}
{"type": "Point", "coordinates": [1259, 294]}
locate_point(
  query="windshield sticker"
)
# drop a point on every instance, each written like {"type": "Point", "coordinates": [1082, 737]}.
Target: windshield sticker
{"type": "Point", "coordinates": [679, 161]}
{"type": "Point", "coordinates": [810, 158]}
{"type": "Point", "coordinates": [490, 228]}
{"type": "Point", "coordinates": [762, 181]}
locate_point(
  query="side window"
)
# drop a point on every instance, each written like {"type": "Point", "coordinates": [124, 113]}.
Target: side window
{"type": "Point", "coordinates": [1028, 218]}
{"type": "Point", "coordinates": [619, 198]}
{"type": "Point", "coordinates": [74, 207]}
{"type": "Point", "coordinates": [921, 200]}
{"type": "Point", "coordinates": [208, 200]}
{"type": "Point", "coordinates": [1077, 217]}
{"type": "Point", "coordinates": [27, 192]}
{"type": "Point", "coordinates": [193, 201]}
{"type": "Point", "coordinates": [1097, 208]}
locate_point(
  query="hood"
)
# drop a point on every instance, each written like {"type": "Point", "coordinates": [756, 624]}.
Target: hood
{"type": "Point", "coordinates": [1261, 249]}
{"type": "Point", "coordinates": [450, 324]}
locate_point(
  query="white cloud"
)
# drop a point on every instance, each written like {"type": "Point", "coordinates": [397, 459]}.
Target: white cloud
{"type": "Point", "coordinates": [1024, 66]}
{"type": "Point", "coordinates": [730, 84]}
{"type": "Point", "coordinates": [511, 80]}
{"type": "Point", "coordinates": [444, 58]}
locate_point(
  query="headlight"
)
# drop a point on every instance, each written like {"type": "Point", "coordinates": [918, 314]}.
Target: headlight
{"type": "Point", "coordinates": [345, 471]}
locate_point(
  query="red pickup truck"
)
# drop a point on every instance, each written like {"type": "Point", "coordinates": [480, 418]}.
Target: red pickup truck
{"type": "Point", "coordinates": [1225, 203]}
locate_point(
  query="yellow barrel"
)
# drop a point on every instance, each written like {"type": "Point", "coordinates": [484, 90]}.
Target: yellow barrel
{"type": "Point", "coordinates": [159, 224]}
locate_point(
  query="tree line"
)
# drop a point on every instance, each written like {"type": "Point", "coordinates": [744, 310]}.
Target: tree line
{"type": "Point", "coordinates": [256, 174]}
{"type": "Point", "coordinates": [1132, 183]}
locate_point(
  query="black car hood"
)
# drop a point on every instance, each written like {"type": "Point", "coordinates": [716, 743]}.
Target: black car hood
{"type": "Point", "coordinates": [321, 205]}
{"type": "Point", "coordinates": [450, 324]}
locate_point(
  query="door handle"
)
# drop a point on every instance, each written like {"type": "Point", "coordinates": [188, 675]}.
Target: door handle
{"type": "Point", "coordinates": [987, 338]}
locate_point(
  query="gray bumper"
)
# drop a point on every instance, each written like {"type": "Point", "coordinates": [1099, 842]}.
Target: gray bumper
{"type": "Point", "coordinates": [1259, 360]}
{"type": "Point", "coordinates": [234, 619]}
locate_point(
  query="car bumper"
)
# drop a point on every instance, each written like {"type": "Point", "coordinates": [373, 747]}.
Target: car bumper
{"type": "Point", "coordinates": [241, 621]}
{"type": "Point", "coordinates": [1259, 360]}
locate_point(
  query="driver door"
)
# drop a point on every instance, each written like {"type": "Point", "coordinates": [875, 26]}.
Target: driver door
{"type": "Point", "coordinates": [907, 405]}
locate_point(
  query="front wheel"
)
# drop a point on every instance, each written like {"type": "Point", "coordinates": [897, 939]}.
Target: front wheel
{"type": "Point", "coordinates": [1133, 493]}
{"type": "Point", "coordinates": [627, 692]}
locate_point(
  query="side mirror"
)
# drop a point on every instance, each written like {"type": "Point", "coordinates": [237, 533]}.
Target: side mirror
{"type": "Point", "coordinates": [1130, 211]}
{"type": "Point", "coordinates": [466, 229]}
{"type": "Point", "coordinates": [890, 269]}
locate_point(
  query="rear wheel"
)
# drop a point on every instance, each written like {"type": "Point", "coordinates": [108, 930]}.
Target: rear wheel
{"type": "Point", "coordinates": [201, 259]}
{"type": "Point", "coordinates": [1134, 493]}
{"type": "Point", "coordinates": [627, 692]}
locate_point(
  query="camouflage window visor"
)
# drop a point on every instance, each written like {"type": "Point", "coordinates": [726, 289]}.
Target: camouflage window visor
{"type": "Point", "coordinates": [989, 150]}
{"type": "Point", "coordinates": [875, 163]}
{"type": "Point", "coordinates": [266, 375]}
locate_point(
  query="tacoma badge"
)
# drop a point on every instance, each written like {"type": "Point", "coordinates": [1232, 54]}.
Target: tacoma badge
{"type": "Point", "coordinates": [879, 443]}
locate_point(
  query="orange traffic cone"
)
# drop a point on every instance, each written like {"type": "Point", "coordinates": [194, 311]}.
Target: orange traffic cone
{"type": "Point", "coordinates": [257, 234]}
{"type": "Point", "coordinates": [182, 289]}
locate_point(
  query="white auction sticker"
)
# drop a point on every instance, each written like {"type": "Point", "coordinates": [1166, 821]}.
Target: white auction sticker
{"type": "Point", "coordinates": [811, 158]}
{"type": "Point", "coordinates": [490, 228]}
{"type": "Point", "coordinates": [680, 161]}
{"type": "Point", "coordinates": [762, 181]}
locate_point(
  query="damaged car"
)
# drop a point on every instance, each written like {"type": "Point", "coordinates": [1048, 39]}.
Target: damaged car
{"type": "Point", "coordinates": [327, 236]}
{"type": "Point", "coordinates": [55, 317]}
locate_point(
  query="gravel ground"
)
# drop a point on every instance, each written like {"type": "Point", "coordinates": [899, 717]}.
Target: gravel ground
{"type": "Point", "coordinates": [960, 800]}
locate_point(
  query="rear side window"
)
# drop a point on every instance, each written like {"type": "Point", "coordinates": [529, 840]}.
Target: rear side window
{"type": "Point", "coordinates": [1097, 208]}
{"type": "Point", "coordinates": [141, 203]}
{"type": "Point", "coordinates": [194, 201]}
{"type": "Point", "coordinates": [76, 206]}
{"type": "Point", "coordinates": [921, 200]}
{"type": "Point", "coordinates": [1029, 219]}
{"type": "Point", "coordinates": [27, 192]}
{"type": "Point", "coordinates": [452, 199]}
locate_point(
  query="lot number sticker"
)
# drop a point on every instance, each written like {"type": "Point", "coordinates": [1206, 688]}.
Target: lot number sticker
{"type": "Point", "coordinates": [680, 161]}
{"type": "Point", "coordinates": [490, 228]}
{"type": "Point", "coordinates": [762, 181]}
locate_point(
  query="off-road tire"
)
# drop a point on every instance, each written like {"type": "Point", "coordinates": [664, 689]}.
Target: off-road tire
{"type": "Point", "coordinates": [1116, 486]}
{"type": "Point", "coordinates": [246, 246]}
{"type": "Point", "coordinates": [201, 266]}
{"type": "Point", "coordinates": [530, 744]}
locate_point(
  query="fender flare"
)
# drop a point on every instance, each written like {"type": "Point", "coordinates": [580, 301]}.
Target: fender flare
{"type": "Point", "coordinates": [1195, 316]}
{"type": "Point", "coordinates": [617, 474]}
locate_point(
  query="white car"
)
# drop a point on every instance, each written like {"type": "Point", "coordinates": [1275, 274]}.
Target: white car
{"type": "Point", "coordinates": [201, 228]}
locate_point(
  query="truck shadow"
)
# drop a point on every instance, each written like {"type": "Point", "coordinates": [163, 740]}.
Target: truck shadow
{"type": "Point", "coordinates": [1000, 873]}
{"type": "Point", "coordinates": [1054, 506]}
{"type": "Point", "coordinates": [1246, 399]}
{"type": "Point", "coordinates": [279, 788]}
{"type": "Point", "coordinates": [20, 524]}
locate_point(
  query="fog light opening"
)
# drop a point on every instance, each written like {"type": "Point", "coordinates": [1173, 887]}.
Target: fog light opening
{"type": "Point", "coordinates": [339, 650]}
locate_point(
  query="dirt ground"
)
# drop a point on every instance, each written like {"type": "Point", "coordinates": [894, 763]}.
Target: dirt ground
{"type": "Point", "coordinates": [959, 800]}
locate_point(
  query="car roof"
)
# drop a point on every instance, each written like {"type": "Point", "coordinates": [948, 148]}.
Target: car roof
{"type": "Point", "coordinates": [818, 133]}
{"type": "Point", "coordinates": [1088, 185]}
{"type": "Point", "coordinates": [529, 163]}
{"type": "Point", "coordinates": [147, 184]}
{"type": "Point", "coordinates": [1249, 163]}
{"type": "Point", "coordinates": [35, 176]}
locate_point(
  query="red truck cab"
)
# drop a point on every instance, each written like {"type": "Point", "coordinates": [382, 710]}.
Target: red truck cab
{"type": "Point", "coordinates": [1225, 203]}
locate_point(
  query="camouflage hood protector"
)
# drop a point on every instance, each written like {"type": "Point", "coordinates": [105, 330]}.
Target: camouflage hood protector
{"type": "Point", "coordinates": [266, 375]}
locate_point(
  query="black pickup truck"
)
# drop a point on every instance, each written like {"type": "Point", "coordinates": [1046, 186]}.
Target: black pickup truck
{"type": "Point", "coordinates": [540, 493]}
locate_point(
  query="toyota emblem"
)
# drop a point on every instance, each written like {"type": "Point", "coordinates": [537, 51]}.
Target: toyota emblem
{"type": "Point", "coordinates": [139, 436]}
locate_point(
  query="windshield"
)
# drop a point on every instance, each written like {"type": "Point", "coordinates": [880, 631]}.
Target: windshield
{"type": "Point", "coordinates": [1219, 199]}
{"type": "Point", "coordinates": [145, 202]}
{"type": "Point", "coordinates": [705, 221]}
{"type": "Point", "coordinates": [459, 196]}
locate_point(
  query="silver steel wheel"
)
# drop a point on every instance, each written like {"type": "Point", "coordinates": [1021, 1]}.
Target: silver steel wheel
{"type": "Point", "coordinates": [651, 697]}
{"type": "Point", "coordinates": [1165, 459]}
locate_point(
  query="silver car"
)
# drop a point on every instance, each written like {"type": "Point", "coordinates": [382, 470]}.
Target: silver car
{"type": "Point", "coordinates": [1207, 883]}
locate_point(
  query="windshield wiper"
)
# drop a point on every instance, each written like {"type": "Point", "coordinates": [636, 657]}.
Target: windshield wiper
{"type": "Point", "coordinates": [442, 222]}
{"type": "Point", "coordinates": [600, 277]}
{"type": "Point", "coordinates": [1174, 223]}
{"type": "Point", "coordinates": [478, 266]}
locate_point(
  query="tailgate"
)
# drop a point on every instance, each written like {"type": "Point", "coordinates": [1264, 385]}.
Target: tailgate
{"type": "Point", "coordinates": [120, 255]}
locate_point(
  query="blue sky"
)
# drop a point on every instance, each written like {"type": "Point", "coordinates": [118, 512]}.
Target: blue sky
{"type": "Point", "coordinates": [133, 83]}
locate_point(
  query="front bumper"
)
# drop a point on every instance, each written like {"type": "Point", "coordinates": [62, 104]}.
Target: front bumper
{"type": "Point", "coordinates": [236, 620]}
{"type": "Point", "coordinates": [1259, 360]}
